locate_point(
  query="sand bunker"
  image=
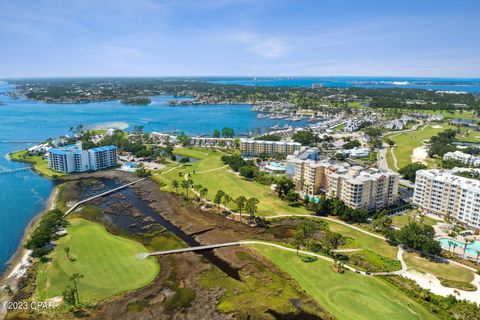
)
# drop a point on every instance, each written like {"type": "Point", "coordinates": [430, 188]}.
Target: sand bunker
{"type": "Point", "coordinates": [420, 154]}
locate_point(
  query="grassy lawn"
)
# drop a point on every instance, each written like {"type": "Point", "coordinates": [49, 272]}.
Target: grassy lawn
{"type": "Point", "coordinates": [449, 114]}
{"type": "Point", "coordinates": [236, 186]}
{"type": "Point", "coordinates": [406, 142]}
{"type": "Point", "coordinates": [402, 220]}
{"type": "Point", "coordinates": [357, 239]}
{"type": "Point", "coordinates": [107, 262]}
{"type": "Point", "coordinates": [468, 135]}
{"type": "Point", "coordinates": [223, 179]}
{"type": "Point", "coordinates": [368, 260]}
{"type": "Point", "coordinates": [40, 164]}
{"type": "Point", "coordinates": [173, 171]}
{"type": "Point", "coordinates": [347, 296]}
{"type": "Point", "coordinates": [446, 271]}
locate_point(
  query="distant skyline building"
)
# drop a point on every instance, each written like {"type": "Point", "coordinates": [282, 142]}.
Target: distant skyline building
{"type": "Point", "coordinates": [71, 158]}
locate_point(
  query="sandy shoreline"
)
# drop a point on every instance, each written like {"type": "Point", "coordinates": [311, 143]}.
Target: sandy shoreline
{"type": "Point", "coordinates": [19, 262]}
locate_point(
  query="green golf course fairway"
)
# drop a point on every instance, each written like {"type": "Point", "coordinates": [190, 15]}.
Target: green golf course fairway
{"type": "Point", "coordinates": [346, 296]}
{"type": "Point", "coordinates": [107, 262]}
{"type": "Point", "coordinates": [213, 174]}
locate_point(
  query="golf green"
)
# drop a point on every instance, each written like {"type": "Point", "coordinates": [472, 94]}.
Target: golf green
{"type": "Point", "coordinates": [347, 296]}
{"type": "Point", "coordinates": [108, 263]}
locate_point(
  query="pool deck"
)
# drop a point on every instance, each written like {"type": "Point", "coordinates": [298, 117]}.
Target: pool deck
{"type": "Point", "coordinates": [459, 249]}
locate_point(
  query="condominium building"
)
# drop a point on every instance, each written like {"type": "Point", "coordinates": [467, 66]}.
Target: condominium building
{"type": "Point", "coordinates": [357, 186]}
{"type": "Point", "coordinates": [72, 158]}
{"type": "Point", "coordinates": [305, 153]}
{"type": "Point", "coordinates": [309, 176]}
{"type": "Point", "coordinates": [442, 192]}
{"type": "Point", "coordinates": [465, 158]}
{"type": "Point", "coordinates": [211, 142]}
{"type": "Point", "coordinates": [253, 148]}
{"type": "Point", "coordinates": [357, 152]}
{"type": "Point", "coordinates": [363, 188]}
{"type": "Point", "coordinates": [160, 137]}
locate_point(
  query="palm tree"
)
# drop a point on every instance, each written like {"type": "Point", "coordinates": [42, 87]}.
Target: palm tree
{"type": "Point", "coordinates": [175, 185]}
{"type": "Point", "coordinates": [251, 207]}
{"type": "Point", "coordinates": [455, 245]}
{"type": "Point", "coordinates": [67, 251]}
{"type": "Point", "coordinates": [226, 200]}
{"type": "Point", "coordinates": [203, 192]}
{"type": "Point", "coordinates": [240, 202]}
{"type": "Point", "coordinates": [79, 128]}
{"type": "Point", "coordinates": [218, 198]}
{"type": "Point", "coordinates": [186, 184]}
{"type": "Point", "coordinates": [74, 278]}
{"type": "Point", "coordinates": [467, 242]}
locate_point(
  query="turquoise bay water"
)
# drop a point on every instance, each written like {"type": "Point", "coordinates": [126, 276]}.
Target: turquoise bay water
{"type": "Point", "coordinates": [23, 195]}
{"type": "Point", "coordinates": [472, 248]}
{"type": "Point", "coordinates": [445, 84]}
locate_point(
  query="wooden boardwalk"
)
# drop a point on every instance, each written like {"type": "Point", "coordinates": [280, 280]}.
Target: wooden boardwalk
{"type": "Point", "coordinates": [15, 170]}
{"type": "Point", "coordinates": [75, 206]}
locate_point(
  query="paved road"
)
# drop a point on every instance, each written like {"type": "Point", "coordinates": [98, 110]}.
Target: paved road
{"type": "Point", "coordinates": [382, 159]}
{"type": "Point", "coordinates": [406, 183]}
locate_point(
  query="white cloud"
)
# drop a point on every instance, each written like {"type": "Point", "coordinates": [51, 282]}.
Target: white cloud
{"type": "Point", "coordinates": [264, 46]}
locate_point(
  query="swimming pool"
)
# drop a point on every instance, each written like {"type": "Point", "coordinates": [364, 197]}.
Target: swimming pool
{"type": "Point", "coordinates": [472, 248]}
{"type": "Point", "coordinates": [275, 167]}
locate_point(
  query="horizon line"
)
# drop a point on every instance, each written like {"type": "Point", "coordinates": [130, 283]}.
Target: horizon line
{"type": "Point", "coordinates": [234, 76]}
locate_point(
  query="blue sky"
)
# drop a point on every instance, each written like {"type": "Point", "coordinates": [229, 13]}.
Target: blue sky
{"type": "Point", "coordinates": [239, 37]}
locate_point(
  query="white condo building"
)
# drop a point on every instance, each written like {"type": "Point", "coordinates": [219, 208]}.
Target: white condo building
{"type": "Point", "coordinates": [465, 158]}
{"type": "Point", "coordinates": [253, 148]}
{"type": "Point", "coordinates": [443, 193]}
{"type": "Point", "coordinates": [72, 158]}
{"type": "Point", "coordinates": [358, 187]}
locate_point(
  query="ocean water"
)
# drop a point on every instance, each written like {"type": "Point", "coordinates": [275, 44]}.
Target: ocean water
{"type": "Point", "coordinates": [23, 195]}
{"type": "Point", "coordinates": [443, 84]}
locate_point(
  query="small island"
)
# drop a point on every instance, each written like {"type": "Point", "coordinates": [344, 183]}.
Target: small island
{"type": "Point", "coordinates": [138, 101]}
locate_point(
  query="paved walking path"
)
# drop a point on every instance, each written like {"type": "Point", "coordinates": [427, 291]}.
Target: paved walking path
{"type": "Point", "coordinates": [348, 250]}
{"type": "Point", "coordinates": [326, 218]}
{"type": "Point", "coordinates": [210, 170]}
{"type": "Point", "coordinates": [265, 243]}
{"type": "Point", "coordinates": [394, 158]}
{"type": "Point", "coordinates": [383, 152]}
{"type": "Point", "coordinates": [402, 272]}
{"type": "Point", "coordinates": [401, 249]}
